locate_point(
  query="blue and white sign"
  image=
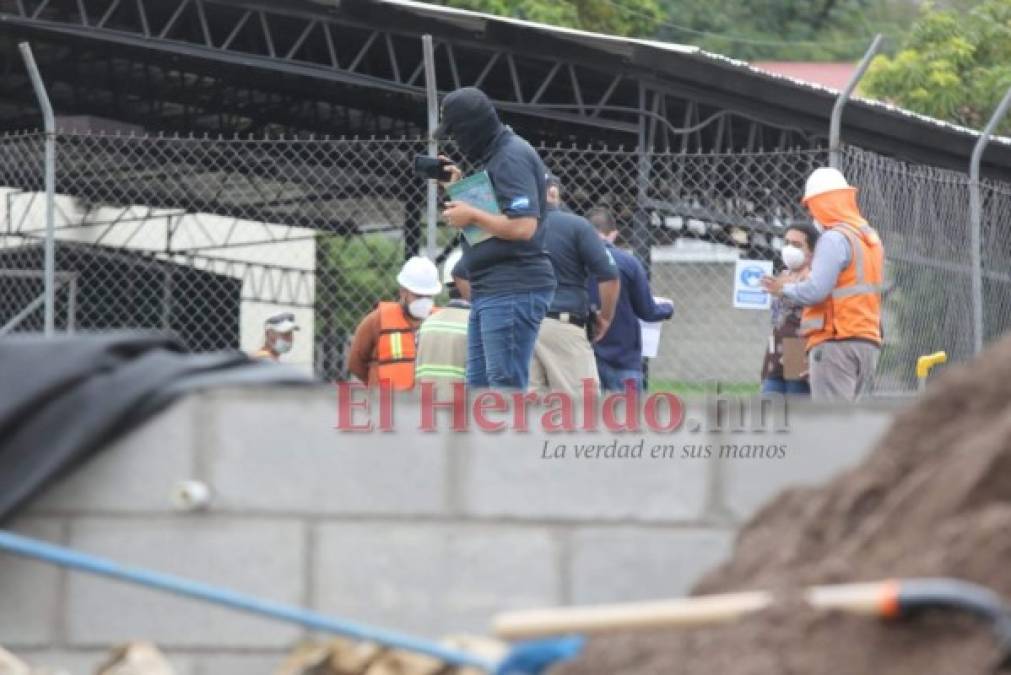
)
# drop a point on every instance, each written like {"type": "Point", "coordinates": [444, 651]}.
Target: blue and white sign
{"type": "Point", "coordinates": [748, 292]}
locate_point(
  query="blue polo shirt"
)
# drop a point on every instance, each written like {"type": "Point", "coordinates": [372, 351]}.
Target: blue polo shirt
{"type": "Point", "coordinates": [496, 265]}
{"type": "Point", "coordinates": [577, 254]}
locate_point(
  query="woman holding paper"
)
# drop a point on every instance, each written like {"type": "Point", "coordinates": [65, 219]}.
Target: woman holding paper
{"type": "Point", "coordinates": [784, 368]}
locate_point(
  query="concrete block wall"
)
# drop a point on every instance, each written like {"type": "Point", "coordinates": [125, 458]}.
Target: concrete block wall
{"type": "Point", "coordinates": [430, 533]}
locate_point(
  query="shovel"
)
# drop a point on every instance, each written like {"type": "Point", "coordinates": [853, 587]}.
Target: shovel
{"type": "Point", "coordinates": [525, 658]}
{"type": "Point", "coordinates": [896, 599]}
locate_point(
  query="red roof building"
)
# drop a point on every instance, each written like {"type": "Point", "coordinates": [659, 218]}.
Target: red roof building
{"type": "Point", "coordinates": [831, 75]}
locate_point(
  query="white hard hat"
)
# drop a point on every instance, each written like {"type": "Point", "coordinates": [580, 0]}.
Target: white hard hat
{"type": "Point", "coordinates": [419, 276]}
{"type": "Point", "coordinates": [449, 264]}
{"type": "Point", "coordinates": [825, 179]}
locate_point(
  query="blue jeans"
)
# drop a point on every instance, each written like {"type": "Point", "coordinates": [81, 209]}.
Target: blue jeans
{"type": "Point", "coordinates": [613, 379]}
{"type": "Point", "coordinates": [501, 334]}
{"type": "Point", "coordinates": [777, 385]}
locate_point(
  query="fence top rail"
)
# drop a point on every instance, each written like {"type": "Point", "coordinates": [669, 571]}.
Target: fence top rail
{"type": "Point", "coordinates": [22, 133]}
{"type": "Point", "coordinates": [317, 139]}
{"type": "Point", "coordinates": [35, 274]}
{"type": "Point", "coordinates": [887, 166]}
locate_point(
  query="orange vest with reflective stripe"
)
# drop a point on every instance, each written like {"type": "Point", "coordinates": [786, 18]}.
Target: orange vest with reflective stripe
{"type": "Point", "coordinates": [395, 350]}
{"type": "Point", "coordinates": [853, 308]}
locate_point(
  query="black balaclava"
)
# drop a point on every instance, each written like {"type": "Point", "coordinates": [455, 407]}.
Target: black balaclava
{"type": "Point", "coordinates": [470, 119]}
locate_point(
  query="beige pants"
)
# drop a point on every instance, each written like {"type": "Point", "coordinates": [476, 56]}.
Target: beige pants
{"type": "Point", "coordinates": [842, 369]}
{"type": "Point", "coordinates": [563, 358]}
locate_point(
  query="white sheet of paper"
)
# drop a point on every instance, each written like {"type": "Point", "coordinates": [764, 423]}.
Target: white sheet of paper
{"type": "Point", "coordinates": [651, 338]}
{"type": "Point", "coordinates": [748, 292]}
{"type": "Point", "coordinates": [651, 331]}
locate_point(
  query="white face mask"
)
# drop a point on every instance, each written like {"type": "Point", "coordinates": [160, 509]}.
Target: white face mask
{"type": "Point", "coordinates": [793, 257]}
{"type": "Point", "coordinates": [282, 346]}
{"type": "Point", "coordinates": [420, 308]}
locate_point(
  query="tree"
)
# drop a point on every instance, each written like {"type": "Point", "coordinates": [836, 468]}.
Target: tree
{"type": "Point", "coordinates": [955, 65]}
{"type": "Point", "coordinates": [807, 30]}
{"type": "Point", "coordinates": [787, 30]}
{"type": "Point", "coordinates": [626, 18]}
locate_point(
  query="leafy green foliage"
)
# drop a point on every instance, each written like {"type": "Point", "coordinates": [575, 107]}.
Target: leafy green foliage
{"type": "Point", "coordinates": [353, 274]}
{"type": "Point", "coordinates": [954, 65]}
{"type": "Point", "coordinates": [624, 17]}
{"type": "Point", "coordinates": [785, 30]}
{"type": "Point", "coordinates": [806, 30]}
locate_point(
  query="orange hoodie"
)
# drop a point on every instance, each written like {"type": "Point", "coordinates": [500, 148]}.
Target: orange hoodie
{"type": "Point", "coordinates": [839, 206]}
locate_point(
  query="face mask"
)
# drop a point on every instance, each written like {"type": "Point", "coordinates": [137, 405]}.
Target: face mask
{"type": "Point", "coordinates": [420, 308]}
{"type": "Point", "coordinates": [282, 346]}
{"type": "Point", "coordinates": [793, 257]}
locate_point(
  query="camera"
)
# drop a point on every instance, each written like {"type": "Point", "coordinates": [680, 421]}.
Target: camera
{"type": "Point", "coordinates": [432, 167]}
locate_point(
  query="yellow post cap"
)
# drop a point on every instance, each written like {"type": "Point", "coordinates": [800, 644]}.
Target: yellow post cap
{"type": "Point", "coordinates": [925, 363]}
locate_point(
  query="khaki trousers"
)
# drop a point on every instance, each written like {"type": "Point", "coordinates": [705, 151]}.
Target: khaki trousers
{"type": "Point", "coordinates": [842, 369]}
{"type": "Point", "coordinates": [563, 358]}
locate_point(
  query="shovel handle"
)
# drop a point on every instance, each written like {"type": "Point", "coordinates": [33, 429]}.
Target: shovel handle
{"type": "Point", "coordinates": [683, 612]}
{"type": "Point", "coordinates": [876, 599]}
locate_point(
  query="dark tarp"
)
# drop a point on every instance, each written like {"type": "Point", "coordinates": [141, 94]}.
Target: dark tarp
{"type": "Point", "coordinates": [65, 398]}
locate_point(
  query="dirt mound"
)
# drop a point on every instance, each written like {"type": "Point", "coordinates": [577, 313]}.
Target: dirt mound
{"type": "Point", "coordinates": [933, 499]}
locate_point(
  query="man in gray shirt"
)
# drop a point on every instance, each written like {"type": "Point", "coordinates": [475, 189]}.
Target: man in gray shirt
{"type": "Point", "coordinates": [563, 356]}
{"type": "Point", "coordinates": [842, 296]}
{"type": "Point", "coordinates": [831, 257]}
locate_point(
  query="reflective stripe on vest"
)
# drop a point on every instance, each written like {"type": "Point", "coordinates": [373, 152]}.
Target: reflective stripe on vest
{"type": "Point", "coordinates": [395, 350]}
{"type": "Point", "coordinates": [442, 347]}
{"type": "Point", "coordinates": [857, 289]}
{"type": "Point", "coordinates": [396, 346]}
{"type": "Point", "coordinates": [436, 326]}
{"type": "Point", "coordinates": [822, 321]}
{"type": "Point", "coordinates": [812, 324]}
{"type": "Point", "coordinates": [433, 370]}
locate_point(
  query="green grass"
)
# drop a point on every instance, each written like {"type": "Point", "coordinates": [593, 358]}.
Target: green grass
{"type": "Point", "coordinates": [698, 389]}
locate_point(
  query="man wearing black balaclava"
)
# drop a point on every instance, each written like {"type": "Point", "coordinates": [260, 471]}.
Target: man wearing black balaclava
{"type": "Point", "coordinates": [511, 278]}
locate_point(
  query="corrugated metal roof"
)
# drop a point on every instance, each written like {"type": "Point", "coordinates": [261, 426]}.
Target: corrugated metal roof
{"type": "Point", "coordinates": [474, 20]}
{"type": "Point", "coordinates": [464, 14]}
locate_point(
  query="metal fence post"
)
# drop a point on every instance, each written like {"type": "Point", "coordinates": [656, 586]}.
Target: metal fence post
{"type": "Point", "coordinates": [835, 125]}
{"type": "Point", "coordinates": [640, 217]}
{"type": "Point", "coordinates": [976, 221]}
{"type": "Point", "coordinates": [432, 96]}
{"type": "Point", "coordinates": [49, 122]}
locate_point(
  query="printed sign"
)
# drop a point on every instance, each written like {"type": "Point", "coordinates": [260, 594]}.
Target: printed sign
{"type": "Point", "coordinates": [748, 292]}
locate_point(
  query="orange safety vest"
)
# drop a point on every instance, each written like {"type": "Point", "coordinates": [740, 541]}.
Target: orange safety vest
{"type": "Point", "coordinates": [395, 350]}
{"type": "Point", "coordinates": [853, 308]}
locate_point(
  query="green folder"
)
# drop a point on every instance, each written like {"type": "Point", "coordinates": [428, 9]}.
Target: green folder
{"type": "Point", "coordinates": [477, 191]}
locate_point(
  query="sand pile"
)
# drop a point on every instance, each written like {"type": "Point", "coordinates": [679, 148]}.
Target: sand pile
{"type": "Point", "coordinates": [933, 499]}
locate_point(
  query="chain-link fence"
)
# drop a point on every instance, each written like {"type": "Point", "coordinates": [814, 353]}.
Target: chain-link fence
{"type": "Point", "coordinates": [923, 215]}
{"type": "Point", "coordinates": [209, 237]}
